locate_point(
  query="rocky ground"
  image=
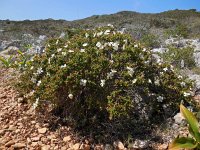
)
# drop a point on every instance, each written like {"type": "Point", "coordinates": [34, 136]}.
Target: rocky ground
{"type": "Point", "coordinates": [20, 128]}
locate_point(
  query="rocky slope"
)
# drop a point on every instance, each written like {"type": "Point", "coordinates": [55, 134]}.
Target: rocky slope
{"type": "Point", "coordinates": [20, 33]}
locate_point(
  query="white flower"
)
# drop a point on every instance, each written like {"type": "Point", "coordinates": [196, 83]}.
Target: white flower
{"type": "Point", "coordinates": [86, 35]}
{"type": "Point", "coordinates": [99, 33]}
{"type": "Point", "coordinates": [186, 94]}
{"type": "Point", "coordinates": [123, 47]}
{"type": "Point", "coordinates": [70, 51]}
{"type": "Point", "coordinates": [85, 44]}
{"type": "Point", "coordinates": [31, 67]}
{"type": "Point", "coordinates": [180, 77]}
{"type": "Point", "coordinates": [35, 105]}
{"type": "Point", "coordinates": [66, 46]}
{"type": "Point", "coordinates": [113, 71]}
{"type": "Point", "coordinates": [82, 50]}
{"type": "Point", "coordinates": [144, 49]}
{"type": "Point", "coordinates": [171, 67]}
{"type": "Point", "coordinates": [59, 50]}
{"type": "Point", "coordinates": [70, 96]}
{"type": "Point", "coordinates": [110, 43]}
{"type": "Point", "coordinates": [110, 25]}
{"type": "Point", "coordinates": [134, 81]}
{"type": "Point", "coordinates": [64, 53]}
{"type": "Point", "coordinates": [111, 61]}
{"type": "Point", "coordinates": [111, 74]}
{"type": "Point", "coordinates": [136, 46]}
{"type": "Point", "coordinates": [32, 59]}
{"type": "Point", "coordinates": [33, 80]}
{"type": "Point", "coordinates": [160, 99]}
{"type": "Point", "coordinates": [39, 71]}
{"type": "Point", "coordinates": [157, 82]}
{"type": "Point", "coordinates": [53, 55]}
{"type": "Point", "coordinates": [165, 69]}
{"type": "Point", "coordinates": [57, 42]}
{"type": "Point", "coordinates": [99, 45]}
{"type": "Point", "coordinates": [149, 81]}
{"type": "Point", "coordinates": [49, 60]}
{"type": "Point", "coordinates": [48, 73]}
{"type": "Point", "coordinates": [125, 41]}
{"type": "Point", "coordinates": [39, 82]}
{"type": "Point", "coordinates": [130, 71]}
{"type": "Point", "coordinates": [102, 83]}
{"type": "Point", "coordinates": [83, 82]}
{"type": "Point", "coordinates": [63, 66]}
{"type": "Point", "coordinates": [182, 84]}
{"type": "Point", "coordinates": [107, 32]}
{"type": "Point", "coordinates": [115, 45]}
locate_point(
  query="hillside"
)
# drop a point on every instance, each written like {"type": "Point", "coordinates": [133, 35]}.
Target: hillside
{"type": "Point", "coordinates": [136, 23]}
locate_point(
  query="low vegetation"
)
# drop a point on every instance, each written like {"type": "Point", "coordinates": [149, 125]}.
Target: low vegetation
{"type": "Point", "coordinates": [102, 74]}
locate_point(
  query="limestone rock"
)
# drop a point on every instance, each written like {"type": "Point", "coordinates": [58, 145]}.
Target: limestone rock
{"type": "Point", "coordinates": [118, 145]}
{"type": "Point", "coordinates": [42, 130]}
{"type": "Point", "coordinates": [76, 146]}
{"type": "Point", "coordinates": [67, 139]}
{"type": "Point", "coordinates": [8, 144]}
{"type": "Point", "coordinates": [19, 146]}
{"type": "Point", "coordinates": [46, 147]}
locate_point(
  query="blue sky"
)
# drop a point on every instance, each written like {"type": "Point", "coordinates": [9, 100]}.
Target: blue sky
{"type": "Point", "coordinates": [78, 9]}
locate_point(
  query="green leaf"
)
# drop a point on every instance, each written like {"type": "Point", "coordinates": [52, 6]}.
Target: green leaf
{"type": "Point", "coordinates": [20, 52]}
{"type": "Point", "coordinates": [183, 142]}
{"type": "Point", "coordinates": [4, 61]}
{"type": "Point", "coordinates": [192, 121]}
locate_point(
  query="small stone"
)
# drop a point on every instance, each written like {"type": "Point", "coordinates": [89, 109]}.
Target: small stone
{"type": "Point", "coordinates": [108, 147]}
{"type": "Point", "coordinates": [19, 145]}
{"type": "Point", "coordinates": [163, 146]}
{"type": "Point", "coordinates": [28, 140]}
{"type": "Point", "coordinates": [2, 147]}
{"type": "Point", "coordinates": [12, 128]}
{"type": "Point", "coordinates": [178, 118]}
{"type": "Point", "coordinates": [8, 144]}
{"type": "Point", "coordinates": [118, 145]}
{"type": "Point", "coordinates": [33, 144]}
{"type": "Point", "coordinates": [99, 147]}
{"type": "Point", "coordinates": [86, 147]}
{"type": "Point", "coordinates": [2, 132]}
{"type": "Point", "coordinates": [42, 130]}
{"type": "Point", "coordinates": [46, 147]}
{"type": "Point", "coordinates": [76, 146]}
{"type": "Point", "coordinates": [141, 144]}
{"type": "Point", "coordinates": [35, 139]}
{"type": "Point", "coordinates": [33, 122]}
{"type": "Point", "coordinates": [63, 148]}
{"type": "Point", "coordinates": [67, 139]}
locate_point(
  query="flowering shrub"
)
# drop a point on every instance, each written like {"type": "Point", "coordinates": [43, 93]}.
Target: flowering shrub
{"type": "Point", "coordinates": [101, 71]}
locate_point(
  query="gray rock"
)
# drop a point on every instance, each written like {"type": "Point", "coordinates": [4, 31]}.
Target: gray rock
{"type": "Point", "coordinates": [178, 118]}
{"type": "Point", "coordinates": [141, 144]}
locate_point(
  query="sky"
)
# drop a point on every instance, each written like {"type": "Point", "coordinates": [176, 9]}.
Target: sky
{"type": "Point", "coordinates": [78, 9]}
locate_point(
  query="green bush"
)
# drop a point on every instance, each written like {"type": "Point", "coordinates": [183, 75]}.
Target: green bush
{"type": "Point", "coordinates": [150, 40]}
{"type": "Point", "coordinates": [101, 72]}
{"type": "Point", "coordinates": [179, 31]}
{"type": "Point", "coordinates": [177, 56]}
